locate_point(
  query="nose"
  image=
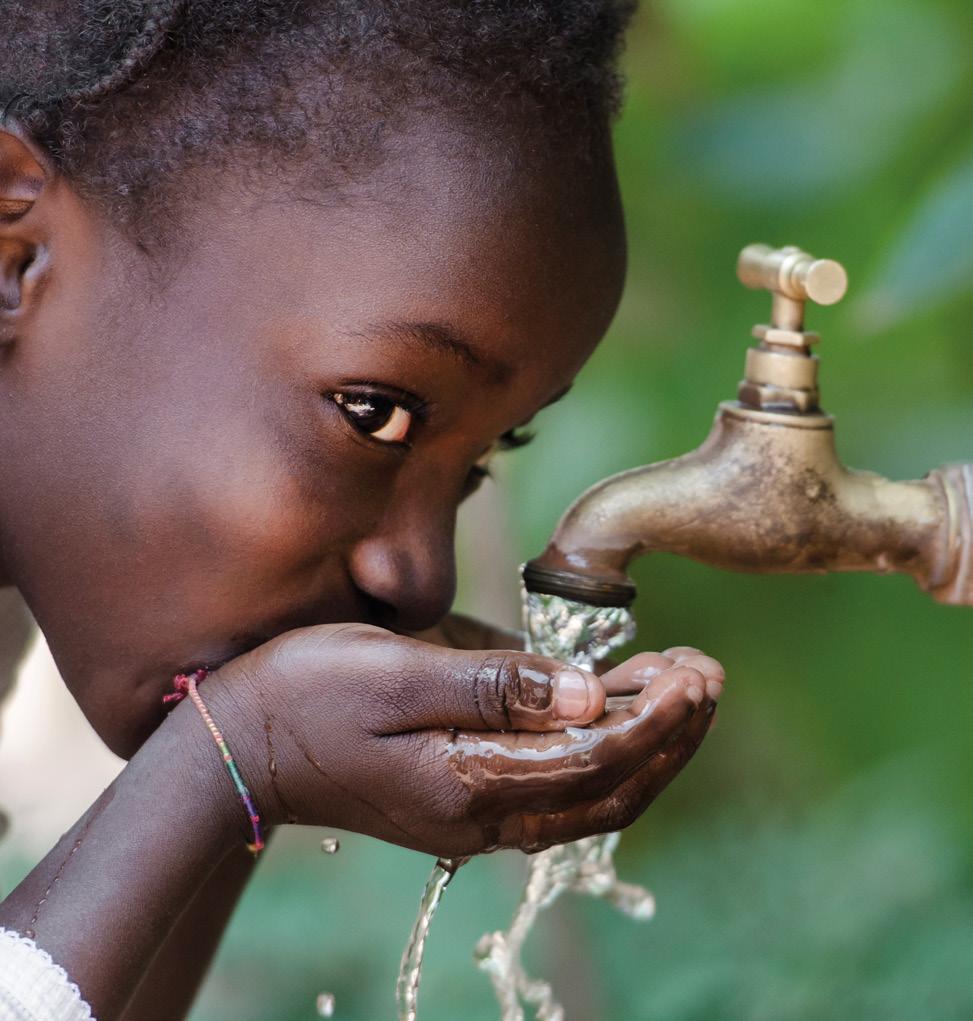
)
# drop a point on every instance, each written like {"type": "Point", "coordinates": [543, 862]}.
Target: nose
{"type": "Point", "coordinates": [408, 566]}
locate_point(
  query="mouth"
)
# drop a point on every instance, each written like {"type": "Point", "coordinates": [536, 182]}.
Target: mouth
{"type": "Point", "coordinates": [147, 710]}
{"type": "Point", "coordinates": [222, 652]}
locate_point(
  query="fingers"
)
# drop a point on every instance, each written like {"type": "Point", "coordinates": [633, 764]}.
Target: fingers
{"type": "Point", "coordinates": [631, 676]}
{"type": "Point", "coordinates": [549, 772]}
{"type": "Point", "coordinates": [428, 688]}
{"type": "Point", "coordinates": [712, 672]}
{"type": "Point", "coordinates": [621, 807]}
{"type": "Point", "coordinates": [401, 685]}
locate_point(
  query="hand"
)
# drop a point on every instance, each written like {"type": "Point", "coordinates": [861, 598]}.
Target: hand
{"type": "Point", "coordinates": [453, 752]}
{"type": "Point", "coordinates": [647, 676]}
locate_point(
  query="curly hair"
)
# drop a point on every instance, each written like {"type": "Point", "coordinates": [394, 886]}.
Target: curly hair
{"type": "Point", "coordinates": [124, 94]}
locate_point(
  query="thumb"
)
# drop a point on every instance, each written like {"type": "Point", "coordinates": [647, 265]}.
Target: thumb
{"type": "Point", "coordinates": [490, 690]}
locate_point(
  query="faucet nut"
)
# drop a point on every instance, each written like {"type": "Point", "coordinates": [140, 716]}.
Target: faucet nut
{"type": "Point", "coordinates": [558, 581]}
{"type": "Point", "coordinates": [767, 397]}
{"type": "Point", "coordinates": [781, 368]}
{"type": "Point", "coordinates": [953, 582]}
{"type": "Point", "coordinates": [799, 340]}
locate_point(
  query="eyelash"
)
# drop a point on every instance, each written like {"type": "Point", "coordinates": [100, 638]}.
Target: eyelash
{"type": "Point", "coordinates": [513, 439]}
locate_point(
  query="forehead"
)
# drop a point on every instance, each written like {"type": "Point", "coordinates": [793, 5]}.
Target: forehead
{"type": "Point", "coordinates": [495, 239]}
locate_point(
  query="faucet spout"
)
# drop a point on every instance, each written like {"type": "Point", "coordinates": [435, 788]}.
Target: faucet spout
{"type": "Point", "coordinates": [765, 492]}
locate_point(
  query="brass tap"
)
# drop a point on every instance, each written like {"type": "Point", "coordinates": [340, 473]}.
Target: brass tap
{"type": "Point", "coordinates": [766, 492]}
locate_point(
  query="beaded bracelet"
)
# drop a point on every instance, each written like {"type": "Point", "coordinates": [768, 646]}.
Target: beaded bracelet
{"type": "Point", "coordinates": [185, 684]}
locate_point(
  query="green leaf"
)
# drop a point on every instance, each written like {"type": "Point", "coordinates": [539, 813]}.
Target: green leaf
{"type": "Point", "coordinates": [931, 262]}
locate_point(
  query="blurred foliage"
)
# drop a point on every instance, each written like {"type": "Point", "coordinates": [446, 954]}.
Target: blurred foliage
{"type": "Point", "coordinates": [815, 861]}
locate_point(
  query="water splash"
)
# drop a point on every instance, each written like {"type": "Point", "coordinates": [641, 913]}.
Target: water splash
{"type": "Point", "coordinates": [580, 634]}
{"type": "Point", "coordinates": [410, 970]}
{"type": "Point", "coordinates": [574, 632]}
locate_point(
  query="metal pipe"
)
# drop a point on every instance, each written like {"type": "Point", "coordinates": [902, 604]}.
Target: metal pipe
{"type": "Point", "coordinates": [766, 491]}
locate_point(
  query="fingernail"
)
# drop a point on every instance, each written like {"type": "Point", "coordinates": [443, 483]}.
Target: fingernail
{"type": "Point", "coordinates": [714, 689]}
{"type": "Point", "coordinates": [695, 694]}
{"type": "Point", "coordinates": [571, 696]}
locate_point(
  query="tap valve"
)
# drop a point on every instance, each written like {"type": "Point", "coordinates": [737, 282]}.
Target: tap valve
{"type": "Point", "coordinates": [781, 373]}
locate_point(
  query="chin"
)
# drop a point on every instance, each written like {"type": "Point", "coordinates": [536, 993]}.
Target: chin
{"type": "Point", "coordinates": [125, 733]}
{"type": "Point", "coordinates": [123, 714]}
{"type": "Point", "coordinates": [122, 741]}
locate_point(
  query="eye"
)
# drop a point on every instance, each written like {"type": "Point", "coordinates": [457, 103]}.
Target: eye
{"type": "Point", "coordinates": [376, 415]}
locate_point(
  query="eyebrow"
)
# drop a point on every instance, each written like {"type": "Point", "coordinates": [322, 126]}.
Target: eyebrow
{"type": "Point", "coordinates": [445, 340]}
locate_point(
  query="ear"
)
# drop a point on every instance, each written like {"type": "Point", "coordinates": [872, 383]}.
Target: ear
{"type": "Point", "coordinates": [25, 172]}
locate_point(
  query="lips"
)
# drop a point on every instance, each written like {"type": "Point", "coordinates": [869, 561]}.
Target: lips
{"type": "Point", "coordinates": [365, 611]}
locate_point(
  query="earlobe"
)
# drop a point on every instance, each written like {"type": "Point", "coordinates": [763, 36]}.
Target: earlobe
{"type": "Point", "coordinates": [24, 173]}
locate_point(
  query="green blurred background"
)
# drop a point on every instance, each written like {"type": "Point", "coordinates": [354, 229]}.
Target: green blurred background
{"type": "Point", "coordinates": [816, 859]}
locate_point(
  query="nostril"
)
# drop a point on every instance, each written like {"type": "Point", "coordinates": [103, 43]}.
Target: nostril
{"type": "Point", "coordinates": [378, 612]}
{"type": "Point", "coordinates": [407, 617]}
{"type": "Point", "coordinates": [414, 615]}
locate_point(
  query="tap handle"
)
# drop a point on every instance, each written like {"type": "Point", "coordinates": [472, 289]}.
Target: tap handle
{"type": "Point", "coordinates": [792, 274]}
{"type": "Point", "coordinates": [774, 378]}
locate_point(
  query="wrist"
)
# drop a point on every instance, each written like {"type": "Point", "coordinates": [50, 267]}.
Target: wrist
{"type": "Point", "coordinates": [230, 733]}
{"type": "Point", "coordinates": [196, 767]}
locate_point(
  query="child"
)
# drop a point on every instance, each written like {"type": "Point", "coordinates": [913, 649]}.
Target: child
{"type": "Point", "coordinates": [276, 280]}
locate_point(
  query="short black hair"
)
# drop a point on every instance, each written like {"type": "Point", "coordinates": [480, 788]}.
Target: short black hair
{"type": "Point", "coordinates": [125, 94]}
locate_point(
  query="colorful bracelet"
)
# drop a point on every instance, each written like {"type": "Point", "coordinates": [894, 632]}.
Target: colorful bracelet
{"type": "Point", "coordinates": [185, 684]}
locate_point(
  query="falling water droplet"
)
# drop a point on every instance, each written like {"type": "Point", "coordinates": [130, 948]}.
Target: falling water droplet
{"type": "Point", "coordinates": [325, 1004]}
{"type": "Point", "coordinates": [330, 845]}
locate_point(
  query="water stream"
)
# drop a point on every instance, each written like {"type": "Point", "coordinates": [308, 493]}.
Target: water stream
{"type": "Point", "coordinates": [583, 635]}
{"type": "Point", "coordinates": [410, 970]}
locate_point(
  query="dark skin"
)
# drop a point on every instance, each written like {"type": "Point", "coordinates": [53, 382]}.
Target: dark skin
{"type": "Point", "coordinates": [220, 457]}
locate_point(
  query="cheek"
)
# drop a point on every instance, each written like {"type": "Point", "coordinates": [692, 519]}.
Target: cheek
{"type": "Point", "coordinates": [270, 497]}
{"type": "Point", "coordinates": [242, 498]}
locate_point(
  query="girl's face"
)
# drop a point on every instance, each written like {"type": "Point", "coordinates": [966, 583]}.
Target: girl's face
{"type": "Point", "coordinates": [278, 429]}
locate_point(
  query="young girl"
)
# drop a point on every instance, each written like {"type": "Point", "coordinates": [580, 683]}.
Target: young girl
{"type": "Point", "coordinates": [276, 280]}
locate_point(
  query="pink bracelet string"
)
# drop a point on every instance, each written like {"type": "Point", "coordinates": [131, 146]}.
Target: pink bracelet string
{"type": "Point", "coordinates": [186, 684]}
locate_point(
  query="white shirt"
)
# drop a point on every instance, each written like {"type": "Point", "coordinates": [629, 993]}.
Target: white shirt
{"type": "Point", "coordinates": [33, 987]}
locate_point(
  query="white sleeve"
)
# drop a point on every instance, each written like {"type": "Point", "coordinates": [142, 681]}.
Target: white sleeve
{"type": "Point", "coordinates": [33, 987]}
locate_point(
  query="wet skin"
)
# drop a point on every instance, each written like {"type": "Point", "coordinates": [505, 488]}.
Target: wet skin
{"type": "Point", "coordinates": [270, 428]}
